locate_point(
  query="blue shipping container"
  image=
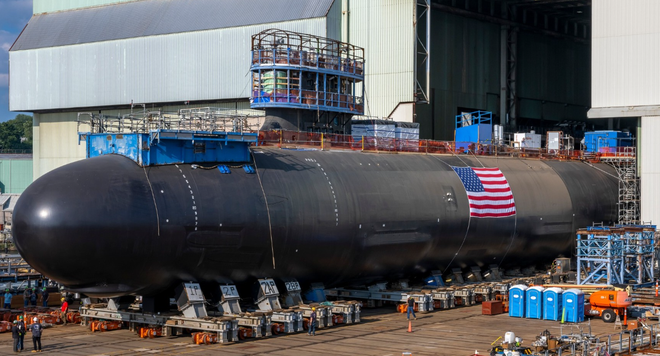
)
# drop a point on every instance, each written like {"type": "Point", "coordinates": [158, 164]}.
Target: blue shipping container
{"type": "Point", "coordinates": [573, 300]}
{"type": "Point", "coordinates": [534, 302]}
{"type": "Point", "coordinates": [517, 301]}
{"type": "Point", "coordinates": [478, 133]}
{"type": "Point", "coordinates": [605, 141]}
{"type": "Point", "coordinates": [474, 127]}
{"type": "Point", "coordinates": [552, 304]}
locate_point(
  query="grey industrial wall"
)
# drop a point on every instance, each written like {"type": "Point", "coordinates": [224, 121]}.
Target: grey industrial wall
{"type": "Point", "coordinates": [465, 72]}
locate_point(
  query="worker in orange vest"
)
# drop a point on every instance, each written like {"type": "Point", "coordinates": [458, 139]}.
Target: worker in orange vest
{"type": "Point", "coordinates": [65, 308]}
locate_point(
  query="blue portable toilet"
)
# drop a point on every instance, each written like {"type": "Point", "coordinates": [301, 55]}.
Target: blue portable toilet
{"type": "Point", "coordinates": [552, 303]}
{"type": "Point", "coordinates": [517, 301]}
{"type": "Point", "coordinates": [534, 302]}
{"type": "Point", "coordinates": [573, 300]}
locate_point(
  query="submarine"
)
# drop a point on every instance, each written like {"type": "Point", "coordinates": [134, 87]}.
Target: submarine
{"type": "Point", "coordinates": [172, 200]}
{"type": "Point", "coordinates": [106, 226]}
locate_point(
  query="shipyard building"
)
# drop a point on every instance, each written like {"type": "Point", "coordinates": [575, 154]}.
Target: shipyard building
{"type": "Point", "coordinates": [569, 66]}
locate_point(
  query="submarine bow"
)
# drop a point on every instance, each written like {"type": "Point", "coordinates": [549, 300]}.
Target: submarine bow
{"type": "Point", "coordinates": [108, 227]}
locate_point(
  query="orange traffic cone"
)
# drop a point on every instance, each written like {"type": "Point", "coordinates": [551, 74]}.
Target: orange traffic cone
{"type": "Point", "coordinates": [409, 326]}
{"type": "Point", "coordinates": [625, 316]}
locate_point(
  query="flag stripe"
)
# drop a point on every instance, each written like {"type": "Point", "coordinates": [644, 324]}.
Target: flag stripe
{"type": "Point", "coordinates": [490, 215]}
{"type": "Point", "coordinates": [485, 169]}
{"type": "Point", "coordinates": [491, 211]}
{"type": "Point", "coordinates": [493, 202]}
{"type": "Point", "coordinates": [498, 190]}
{"type": "Point", "coordinates": [493, 180]}
{"type": "Point", "coordinates": [491, 198]}
{"type": "Point", "coordinates": [489, 194]}
{"type": "Point", "coordinates": [492, 206]}
{"type": "Point", "coordinates": [496, 186]}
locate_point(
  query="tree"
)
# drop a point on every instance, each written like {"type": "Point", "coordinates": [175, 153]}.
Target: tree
{"type": "Point", "coordinates": [16, 133]}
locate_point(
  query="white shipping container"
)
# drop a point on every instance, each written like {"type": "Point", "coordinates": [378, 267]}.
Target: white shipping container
{"type": "Point", "coordinates": [380, 130]}
{"type": "Point", "coordinates": [358, 131]}
{"type": "Point", "coordinates": [372, 128]}
{"type": "Point", "coordinates": [526, 140]}
{"type": "Point", "coordinates": [407, 135]}
{"type": "Point", "coordinates": [554, 138]}
{"type": "Point", "coordinates": [406, 131]}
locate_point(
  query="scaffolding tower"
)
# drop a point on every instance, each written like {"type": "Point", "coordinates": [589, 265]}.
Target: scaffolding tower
{"type": "Point", "coordinates": [624, 162]}
{"type": "Point", "coordinates": [615, 255]}
{"type": "Point", "coordinates": [599, 256]}
{"type": "Point", "coordinates": [638, 252]}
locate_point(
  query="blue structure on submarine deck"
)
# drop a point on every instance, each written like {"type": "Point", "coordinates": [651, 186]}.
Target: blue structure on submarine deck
{"type": "Point", "coordinates": [474, 127]}
{"type": "Point", "coordinates": [161, 147]}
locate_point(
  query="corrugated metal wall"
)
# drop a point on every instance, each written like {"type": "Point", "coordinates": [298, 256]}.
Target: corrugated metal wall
{"type": "Point", "coordinates": [649, 169]}
{"type": "Point", "coordinates": [334, 21]}
{"type": "Point", "coordinates": [386, 32]}
{"type": "Point", "coordinates": [626, 48]}
{"type": "Point", "coordinates": [42, 6]}
{"type": "Point", "coordinates": [203, 65]}
{"type": "Point", "coordinates": [15, 175]}
{"type": "Point", "coordinates": [625, 73]}
{"type": "Point", "coordinates": [465, 72]}
{"type": "Point", "coordinates": [553, 78]}
{"type": "Point", "coordinates": [55, 140]}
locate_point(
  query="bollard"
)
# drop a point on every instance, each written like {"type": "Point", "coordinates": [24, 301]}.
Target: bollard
{"type": "Point", "coordinates": [625, 316]}
{"type": "Point", "coordinates": [656, 287]}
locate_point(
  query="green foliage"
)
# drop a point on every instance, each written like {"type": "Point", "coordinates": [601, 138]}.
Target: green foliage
{"type": "Point", "coordinates": [16, 133]}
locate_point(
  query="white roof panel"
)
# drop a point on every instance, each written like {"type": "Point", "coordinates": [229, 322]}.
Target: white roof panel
{"type": "Point", "coordinates": [159, 17]}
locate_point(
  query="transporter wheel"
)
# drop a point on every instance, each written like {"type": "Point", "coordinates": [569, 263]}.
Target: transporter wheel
{"type": "Point", "coordinates": [608, 315]}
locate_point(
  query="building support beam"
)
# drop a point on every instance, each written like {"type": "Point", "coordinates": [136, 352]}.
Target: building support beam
{"type": "Point", "coordinates": [508, 65]}
{"type": "Point", "coordinates": [422, 68]}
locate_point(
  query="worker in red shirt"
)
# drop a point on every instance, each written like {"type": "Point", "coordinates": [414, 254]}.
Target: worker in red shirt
{"type": "Point", "coordinates": [65, 308]}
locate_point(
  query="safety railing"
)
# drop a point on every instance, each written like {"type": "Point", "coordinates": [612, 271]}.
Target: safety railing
{"type": "Point", "coordinates": [281, 47]}
{"type": "Point", "coordinates": [326, 141]}
{"type": "Point", "coordinates": [310, 97]}
{"type": "Point", "coordinates": [316, 60]}
{"type": "Point", "coordinates": [207, 119]}
{"type": "Point", "coordinates": [623, 343]}
{"type": "Point", "coordinates": [210, 119]}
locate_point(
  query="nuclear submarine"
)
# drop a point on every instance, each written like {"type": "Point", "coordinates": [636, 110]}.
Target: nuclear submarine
{"type": "Point", "coordinates": [107, 226]}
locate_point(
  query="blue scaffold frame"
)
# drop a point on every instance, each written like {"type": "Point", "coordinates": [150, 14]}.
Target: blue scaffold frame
{"type": "Point", "coordinates": [615, 255]}
{"type": "Point", "coordinates": [599, 256]}
{"type": "Point", "coordinates": [638, 252]}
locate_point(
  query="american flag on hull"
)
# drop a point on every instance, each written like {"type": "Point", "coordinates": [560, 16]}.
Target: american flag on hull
{"type": "Point", "coordinates": [488, 192]}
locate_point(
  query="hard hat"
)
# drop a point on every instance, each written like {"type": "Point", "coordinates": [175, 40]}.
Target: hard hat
{"type": "Point", "coordinates": [20, 317]}
{"type": "Point", "coordinates": [15, 322]}
{"type": "Point", "coordinates": [62, 299]}
{"type": "Point", "coordinates": [313, 308]}
{"type": "Point", "coordinates": [35, 319]}
{"type": "Point", "coordinates": [44, 288]}
{"type": "Point", "coordinates": [7, 290]}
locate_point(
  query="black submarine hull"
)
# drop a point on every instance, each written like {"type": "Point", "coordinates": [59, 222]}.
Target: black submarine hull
{"type": "Point", "coordinates": [107, 227]}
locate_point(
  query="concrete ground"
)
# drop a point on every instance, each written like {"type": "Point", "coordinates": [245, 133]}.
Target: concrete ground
{"type": "Point", "coordinates": [454, 332]}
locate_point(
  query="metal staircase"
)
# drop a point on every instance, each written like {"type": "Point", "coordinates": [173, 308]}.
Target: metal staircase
{"type": "Point", "coordinates": [625, 163]}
